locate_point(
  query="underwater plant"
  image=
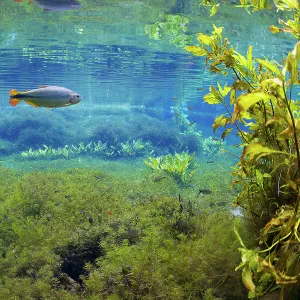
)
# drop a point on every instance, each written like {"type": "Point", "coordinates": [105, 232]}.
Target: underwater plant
{"type": "Point", "coordinates": [129, 149]}
{"type": "Point", "coordinates": [261, 108]}
{"type": "Point", "coordinates": [174, 27]}
{"type": "Point", "coordinates": [210, 147]}
{"type": "Point", "coordinates": [180, 166]}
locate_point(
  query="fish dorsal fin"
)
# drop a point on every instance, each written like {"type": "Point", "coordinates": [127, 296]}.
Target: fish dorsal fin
{"type": "Point", "coordinates": [44, 86]}
{"type": "Point", "coordinates": [13, 93]}
{"type": "Point", "coordinates": [32, 104]}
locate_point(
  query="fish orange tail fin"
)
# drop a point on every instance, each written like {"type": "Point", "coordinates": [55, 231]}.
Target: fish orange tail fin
{"type": "Point", "coordinates": [14, 101]}
{"type": "Point", "coordinates": [13, 93]}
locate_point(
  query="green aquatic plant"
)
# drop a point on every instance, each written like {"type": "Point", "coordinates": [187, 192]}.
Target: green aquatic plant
{"type": "Point", "coordinates": [210, 147]}
{"type": "Point", "coordinates": [128, 149]}
{"type": "Point", "coordinates": [291, 25]}
{"type": "Point", "coordinates": [180, 166]}
{"type": "Point", "coordinates": [262, 110]}
{"type": "Point", "coordinates": [85, 232]}
{"type": "Point", "coordinates": [174, 27]}
{"type": "Point", "coordinates": [135, 148]}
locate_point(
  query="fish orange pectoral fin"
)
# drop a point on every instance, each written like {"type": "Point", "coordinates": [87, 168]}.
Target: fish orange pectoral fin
{"type": "Point", "coordinates": [32, 104]}
{"type": "Point", "coordinates": [13, 93]}
{"type": "Point", "coordinates": [14, 101]}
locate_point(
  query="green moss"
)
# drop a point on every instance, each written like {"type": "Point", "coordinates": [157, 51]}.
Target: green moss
{"type": "Point", "coordinates": [84, 234]}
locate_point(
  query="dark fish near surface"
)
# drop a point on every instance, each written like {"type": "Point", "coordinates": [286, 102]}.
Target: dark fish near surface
{"type": "Point", "coordinates": [55, 5]}
{"type": "Point", "coordinates": [45, 96]}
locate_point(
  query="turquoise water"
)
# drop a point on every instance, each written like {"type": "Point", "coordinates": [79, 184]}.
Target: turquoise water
{"type": "Point", "coordinates": [129, 82]}
{"type": "Point", "coordinates": [84, 212]}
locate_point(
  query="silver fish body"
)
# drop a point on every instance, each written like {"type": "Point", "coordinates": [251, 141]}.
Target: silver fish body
{"type": "Point", "coordinates": [46, 96]}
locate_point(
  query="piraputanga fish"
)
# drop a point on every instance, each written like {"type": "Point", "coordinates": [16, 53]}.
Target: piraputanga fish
{"type": "Point", "coordinates": [55, 4]}
{"type": "Point", "coordinates": [45, 96]}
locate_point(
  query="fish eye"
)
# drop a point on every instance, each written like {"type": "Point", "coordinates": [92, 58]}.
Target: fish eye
{"type": "Point", "coordinates": [77, 96]}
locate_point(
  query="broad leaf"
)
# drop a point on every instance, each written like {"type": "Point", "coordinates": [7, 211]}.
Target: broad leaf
{"type": "Point", "coordinates": [268, 65]}
{"type": "Point", "coordinates": [258, 151]}
{"type": "Point", "coordinates": [220, 121]}
{"type": "Point", "coordinates": [247, 278]}
{"type": "Point", "coordinates": [247, 100]}
{"type": "Point", "coordinates": [196, 50]}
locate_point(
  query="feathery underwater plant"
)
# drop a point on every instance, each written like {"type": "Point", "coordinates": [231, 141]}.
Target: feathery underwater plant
{"type": "Point", "coordinates": [179, 166]}
{"type": "Point", "coordinates": [129, 149]}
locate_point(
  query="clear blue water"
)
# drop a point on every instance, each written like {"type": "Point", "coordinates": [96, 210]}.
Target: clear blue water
{"type": "Point", "coordinates": [129, 82]}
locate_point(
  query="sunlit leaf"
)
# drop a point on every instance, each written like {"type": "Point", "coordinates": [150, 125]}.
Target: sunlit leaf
{"type": "Point", "coordinates": [240, 59]}
{"type": "Point", "coordinates": [292, 63]}
{"type": "Point", "coordinates": [213, 10]}
{"type": "Point", "coordinates": [220, 121]}
{"type": "Point", "coordinates": [223, 91]}
{"type": "Point", "coordinates": [257, 150]}
{"type": "Point", "coordinates": [259, 178]}
{"type": "Point", "coordinates": [247, 100]}
{"type": "Point", "coordinates": [249, 58]}
{"type": "Point", "coordinates": [196, 50]}
{"type": "Point", "coordinates": [275, 29]}
{"type": "Point", "coordinates": [268, 65]}
{"type": "Point", "coordinates": [286, 133]}
{"type": "Point", "coordinates": [247, 278]}
{"type": "Point", "coordinates": [214, 97]}
{"type": "Point", "coordinates": [218, 31]}
{"type": "Point", "coordinates": [205, 39]}
{"type": "Point", "coordinates": [226, 132]}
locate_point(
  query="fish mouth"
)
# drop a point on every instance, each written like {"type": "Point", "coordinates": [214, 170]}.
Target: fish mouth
{"type": "Point", "coordinates": [75, 98]}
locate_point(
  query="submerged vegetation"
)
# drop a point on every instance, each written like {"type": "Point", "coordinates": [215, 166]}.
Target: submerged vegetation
{"type": "Point", "coordinates": [88, 234]}
{"type": "Point", "coordinates": [179, 166]}
{"type": "Point", "coordinates": [261, 108]}
{"type": "Point", "coordinates": [85, 234]}
{"type": "Point", "coordinates": [128, 149]}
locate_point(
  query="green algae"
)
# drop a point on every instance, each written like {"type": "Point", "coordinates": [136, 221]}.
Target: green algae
{"type": "Point", "coordinates": [83, 233]}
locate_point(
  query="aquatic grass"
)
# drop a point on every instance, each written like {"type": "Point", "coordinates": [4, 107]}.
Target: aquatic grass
{"type": "Point", "coordinates": [132, 148]}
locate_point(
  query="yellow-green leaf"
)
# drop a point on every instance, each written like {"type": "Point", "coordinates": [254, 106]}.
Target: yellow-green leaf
{"type": "Point", "coordinates": [223, 91]}
{"type": "Point", "coordinates": [258, 151]}
{"type": "Point", "coordinates": [292, 63]}
{"type": "Point", "coordinates": [268, 65]}
{"type": "Point", "coordinates": [214, 97]}
{"type": "Point", "coordinates": [217, 31]}
{"type": "Point", "coordinates": [247, 278]}
{"type": "Point", "coordinates": [291, 4]}
{"type": "Point", "coordinates": [241, 60]}
{"type": "Point", "coordinates": [247, 100]}
{"type": "Point", "coordinates": [196, 50]}
{"type": "Point", "coordinates": [249, 58]}
{"type": "Point", "coordinates": [205, 39]}
{"type": "Point", "coordinates": [213, 10]}
{"type": "Point", "coordinates": [275, 29]}
{"type": "Point", "coordinates": [220, 121]}
{"type": "Point", "coordinates": [259, 178]}
{"type": "Point", "coordinates": [226, 132]}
